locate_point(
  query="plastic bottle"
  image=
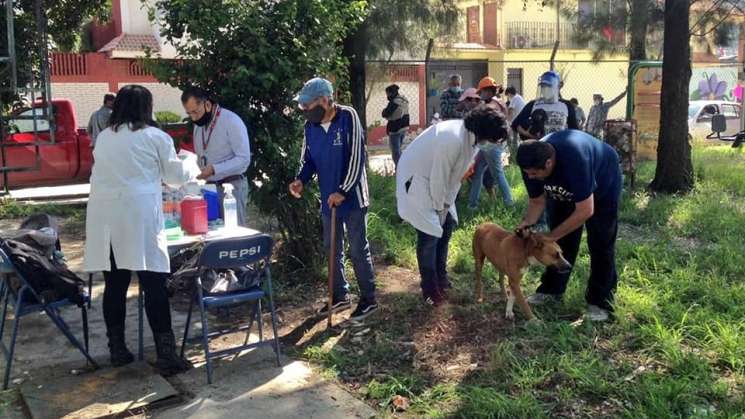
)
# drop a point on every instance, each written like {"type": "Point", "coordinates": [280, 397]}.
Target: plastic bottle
{"type": "Point", "coordinates": [230, 207]}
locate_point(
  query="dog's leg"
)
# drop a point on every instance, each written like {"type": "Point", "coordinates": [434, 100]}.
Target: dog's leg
{"type": "Point", "coordinates": [518, 295]}
{"type": "Point", "coordinates": [501, 286]}
{"type": "Point", "coordinates": [478, 257]}
{"type": "Point", "coordinates": [509, 314]}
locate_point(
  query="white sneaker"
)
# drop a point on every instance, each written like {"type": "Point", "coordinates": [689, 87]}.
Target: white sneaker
{"type": "Point", "coordinates": [596, 313]}
{"type": "Point", "coordinates": [540, 298]}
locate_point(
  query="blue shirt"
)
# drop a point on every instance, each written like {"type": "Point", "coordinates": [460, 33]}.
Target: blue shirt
{"type": "Point", "coordinates": [584, 166]}
{"type": "Point", "coordinates": [337, 155]}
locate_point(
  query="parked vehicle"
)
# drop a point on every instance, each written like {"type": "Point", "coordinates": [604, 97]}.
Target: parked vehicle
{"type": "Point", "coordinates": [68, 160]}
{"type": "Point", "coordinates": [700, 113]}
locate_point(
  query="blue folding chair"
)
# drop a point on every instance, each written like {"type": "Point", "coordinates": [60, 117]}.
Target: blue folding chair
{"type": "Point", "coordinates": [27, 301]}
{"type": "Point", "coordinates": [252, 251]}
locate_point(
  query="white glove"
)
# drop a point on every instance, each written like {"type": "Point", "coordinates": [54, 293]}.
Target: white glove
{"type": "Point", "coordinates": [443, 215]}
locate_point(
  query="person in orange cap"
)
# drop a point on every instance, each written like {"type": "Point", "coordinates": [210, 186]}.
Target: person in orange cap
{"type": "Point", "coordinates": [490, 92]}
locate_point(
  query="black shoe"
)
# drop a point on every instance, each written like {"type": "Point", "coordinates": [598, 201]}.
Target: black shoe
{"type": "Point", "coordinates": [118, 351]}
{"type": "Point", "coordinates": [363, 310]}
{"type": "Point", "coordinates": [168, 363]}
{"type": "Point", "coordinates": [343, 303]}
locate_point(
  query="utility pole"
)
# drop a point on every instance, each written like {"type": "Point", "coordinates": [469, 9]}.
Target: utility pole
{"type": "Point", "coordinates": [558, 33]}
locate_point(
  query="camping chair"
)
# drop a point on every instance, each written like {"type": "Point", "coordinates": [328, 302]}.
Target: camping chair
{"type": "Point", "coordinates": [232, 254]}
{"type": "Point", "coordinates": [27, 301]}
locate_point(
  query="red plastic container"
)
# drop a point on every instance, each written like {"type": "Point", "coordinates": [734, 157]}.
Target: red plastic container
{"type": "Point", "coordinates": [194, 216]}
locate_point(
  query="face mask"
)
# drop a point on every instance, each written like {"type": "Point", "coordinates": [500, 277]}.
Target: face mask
{"type": "Point", "coordinates": [597, 101]}
{"type": "Point", "coordinates": [204, 120]}
{"type": "Point", "coordinates": [315, 115]}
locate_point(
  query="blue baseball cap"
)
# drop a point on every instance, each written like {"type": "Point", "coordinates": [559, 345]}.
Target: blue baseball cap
{"type": "Point", "coordinates": [313, 89]}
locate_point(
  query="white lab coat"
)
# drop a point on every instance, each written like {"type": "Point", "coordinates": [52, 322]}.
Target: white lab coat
{"type": "Point", "coordinates": [434, 163]}
{"type": "Point", "coordinates": [125, 210]}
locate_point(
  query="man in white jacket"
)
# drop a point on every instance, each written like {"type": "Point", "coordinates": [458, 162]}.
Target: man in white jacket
{"type": "Point", "coordinates": [427, 182]}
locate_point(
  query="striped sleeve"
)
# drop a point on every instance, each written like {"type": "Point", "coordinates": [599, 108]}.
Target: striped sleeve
{"type": "Point", "coordinates": [307, 167]}
{"type": "Point", "coordinates": [356, 164]}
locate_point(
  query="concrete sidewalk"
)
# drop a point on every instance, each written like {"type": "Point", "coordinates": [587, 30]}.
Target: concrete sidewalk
{"type": "Point", "coordinates": [249, 385]}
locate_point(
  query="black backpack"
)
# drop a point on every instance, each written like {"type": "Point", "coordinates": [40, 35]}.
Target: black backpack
{"type": "Point", "coordinates": [50, 279]}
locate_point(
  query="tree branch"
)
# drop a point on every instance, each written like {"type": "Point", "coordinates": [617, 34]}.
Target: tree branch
{"type": "Point", "coordinates": [703, 16]}
{"type": "Point", "coordinates": [714, 28]}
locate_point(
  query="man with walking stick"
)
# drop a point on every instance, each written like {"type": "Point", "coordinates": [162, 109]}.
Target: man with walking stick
{"type": "Point", "coordinates": [334, 150]}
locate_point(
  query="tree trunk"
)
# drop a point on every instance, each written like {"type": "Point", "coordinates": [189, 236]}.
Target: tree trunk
{"type": "Point", "coordinates": [674, 171]}
{"type": "Point", "coordinates": [638, 25]}
{"type": "Point", "coordinates": [355, 49]}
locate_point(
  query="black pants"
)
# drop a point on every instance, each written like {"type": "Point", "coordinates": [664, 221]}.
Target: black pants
{"type": "Point", "coordinates": [432, 258]}
{"type": "Point", "coordinates": [156, 298]}
{"type": "Point", "coordinates": [602, 230]}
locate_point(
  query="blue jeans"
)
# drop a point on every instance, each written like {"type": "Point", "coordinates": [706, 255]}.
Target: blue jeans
{"type": "Point", "coordinates": [394, 142]}
{"type": "Point", "coordinates": [355, 224]}
{"type": "Point", "coordinates": [492, 160]}
{"type": "Point", "coordinates": [432, 258]}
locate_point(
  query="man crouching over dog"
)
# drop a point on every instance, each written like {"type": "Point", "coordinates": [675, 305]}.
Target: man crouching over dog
{"type": "Point", "coordinates": [581, 178]}
{"type": "Point", "coordinates": [427, 182]}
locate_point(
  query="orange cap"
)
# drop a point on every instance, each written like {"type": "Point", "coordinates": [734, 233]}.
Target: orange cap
{"type": "Point", "coordinates": [487, 82]}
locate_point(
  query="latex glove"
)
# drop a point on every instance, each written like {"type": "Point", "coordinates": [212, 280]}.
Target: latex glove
{"type": "Point", "coordinates": [442, 215]}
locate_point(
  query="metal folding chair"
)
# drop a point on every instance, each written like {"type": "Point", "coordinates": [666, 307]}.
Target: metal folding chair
{"type": "Point", "coordinates": [26, 301]}
{"type": "Point", "coordinates": [231, 254]}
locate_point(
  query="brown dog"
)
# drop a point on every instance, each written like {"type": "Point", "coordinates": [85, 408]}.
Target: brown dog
{"type": "Point", "coordinates": [511, 253]}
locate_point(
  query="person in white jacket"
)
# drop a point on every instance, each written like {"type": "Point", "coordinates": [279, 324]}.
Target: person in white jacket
{"type": "Point", "coordinates": [124, 221]}
{"type": "Point", "coordinates": [427, 183]}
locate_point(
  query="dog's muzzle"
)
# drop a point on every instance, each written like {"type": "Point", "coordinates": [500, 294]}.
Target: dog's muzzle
{"type": "Point", "coordinates": [563, 267]}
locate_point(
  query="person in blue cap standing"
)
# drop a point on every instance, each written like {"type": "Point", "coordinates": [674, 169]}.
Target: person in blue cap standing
{"type": "Point", "coordinates": [334, 150]}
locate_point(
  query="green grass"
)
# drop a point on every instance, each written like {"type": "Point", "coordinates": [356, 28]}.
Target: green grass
{"type": "Point", "coordinates": [677, 348]}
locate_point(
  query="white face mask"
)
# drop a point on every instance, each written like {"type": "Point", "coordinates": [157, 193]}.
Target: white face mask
{"type": "Point", "coordinates": [598, 101]}
{"type": "Point", "coordinates": [548, 94]}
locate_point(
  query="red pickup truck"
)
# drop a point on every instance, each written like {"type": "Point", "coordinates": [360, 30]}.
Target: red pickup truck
{"type": "Point", "coordinates": [66, 161]}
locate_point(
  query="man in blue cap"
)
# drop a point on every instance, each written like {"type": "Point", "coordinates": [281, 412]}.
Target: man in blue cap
{"type": "Point", "coordinates": [334, 150]}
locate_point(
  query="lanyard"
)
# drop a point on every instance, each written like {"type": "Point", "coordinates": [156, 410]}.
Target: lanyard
{"type": "Point", "coordinates": [206, 142]}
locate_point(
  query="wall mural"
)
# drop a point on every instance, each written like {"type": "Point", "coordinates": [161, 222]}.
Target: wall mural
{"type": "Point", "coordinates": [715, 83]}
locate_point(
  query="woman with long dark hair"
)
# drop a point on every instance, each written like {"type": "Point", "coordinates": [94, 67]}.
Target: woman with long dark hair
{"type": "Point", "coordinates": [124, 224]}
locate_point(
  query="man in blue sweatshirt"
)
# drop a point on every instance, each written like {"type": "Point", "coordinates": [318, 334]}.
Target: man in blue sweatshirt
{"type": "Point", "coordinates": [334, 150]}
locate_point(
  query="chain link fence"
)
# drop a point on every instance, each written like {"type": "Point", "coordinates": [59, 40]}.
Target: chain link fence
{"type": "Point", "coordinates": [422, 85]}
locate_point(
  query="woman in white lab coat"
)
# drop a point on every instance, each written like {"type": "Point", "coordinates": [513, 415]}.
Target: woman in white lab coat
{"type": "Point", "coordinates": [428, 179]}
{"type": "Point", "coordinates": [124, 222]}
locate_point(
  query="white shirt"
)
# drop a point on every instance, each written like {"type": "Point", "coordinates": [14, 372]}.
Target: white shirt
{"type": "Point", "coordinates": [228, 148]}
{"type": "Point", "coordinates": [517, 103]}
{"type": "Point", "coordinates": [432, 166]}
{"type": "Point", "coordinates": [125, 210]}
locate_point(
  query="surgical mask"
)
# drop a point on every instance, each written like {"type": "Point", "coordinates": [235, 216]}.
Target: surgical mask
{"type": "Point", "coordinates": [598, 101]}
{"type": "Point", "coordinates": [204, 120]}
{"type": "Point", "coordinates": [315, 115]}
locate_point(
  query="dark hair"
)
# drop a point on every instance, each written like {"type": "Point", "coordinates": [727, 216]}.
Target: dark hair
{"type": "Point", "coordinates": [538, 123]}
{"type": "Point", "coordinates": [195, 92]}
{"type": "Point", "coordinates": [574, 101]}
{"type": "Point", "coordinates": [133, 106]}
{"type": "Point", "coordinates": [108, 97]}
{"type": "Point", "coordinates": [392, 88]}
{"type": "Point", "coordinates": [510, 91]}
{"type": "Point", "coordinates": [486, 123]}
{"type": "Point", "coordinates": [533, 154]}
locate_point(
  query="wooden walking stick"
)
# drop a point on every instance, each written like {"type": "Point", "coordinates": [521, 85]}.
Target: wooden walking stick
{"type": "Point", "coordinates": [332, 264]}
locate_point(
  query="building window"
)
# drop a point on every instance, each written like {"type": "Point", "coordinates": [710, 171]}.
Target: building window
{"type": "Point", "coordinates": [515, 79]}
